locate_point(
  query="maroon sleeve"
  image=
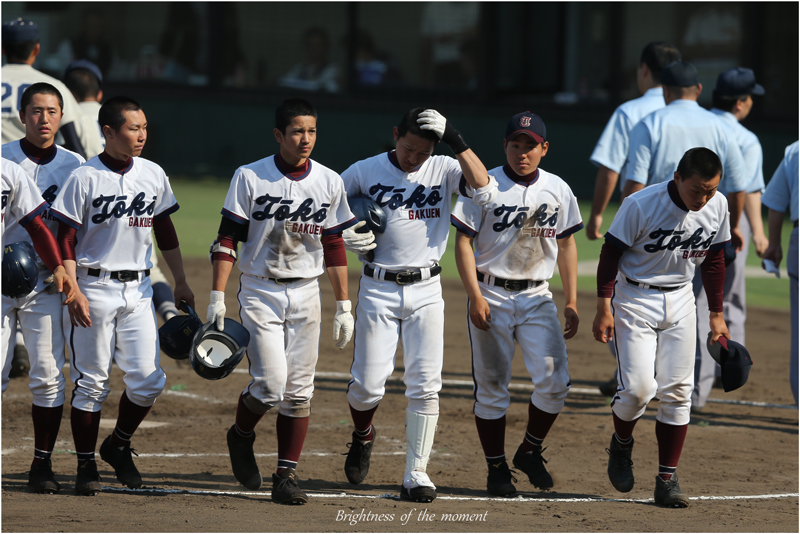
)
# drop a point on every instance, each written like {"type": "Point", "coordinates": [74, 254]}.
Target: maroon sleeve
{"type": "Point", "coordinates": [607, 269]}
{"type": "Point", "coordinates": [166, 238]}
{"type": "Point", "coordinates": [712, 271]}
{"type": "Point", "coordinates": [67, 239]}
{"type": "Point", "coordinates": [44, 243]}
{"type": "Point", "coordinates": [333, 248]}
{"type": "Point", "coordinates": [229, 242]}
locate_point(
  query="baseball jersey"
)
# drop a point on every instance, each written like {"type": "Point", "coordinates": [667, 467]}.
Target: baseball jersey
{"type": "Point", "coordinates": [515, 235]}
{"type": "Point", "coordinates": [91, 134]}
{"type": "Point", "coordinates": [750, 147]}
{"type": "Point", "coordinates": [659, 141]}
{"type": "Point", "coordinates": [48, 176]}
{"type": "Point", "coordinates": [782, 189]}
{"type": "Point", "coordinates": [17, 77]}
{"type": "Point", "coordinates": [21, 199]}
{"type": "Point", "coordinates": [417, 207]}
{"type": "Point", "coordinates": [286, 217]}
{"type": "Point", "coordinates": [663, 242]}
{"type": "Point", "coordinates": [113, 212]}
{"type": "Point", "coordinates": [611, 150]}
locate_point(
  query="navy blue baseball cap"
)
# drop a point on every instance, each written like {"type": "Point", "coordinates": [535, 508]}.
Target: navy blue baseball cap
{"type": "Point", "coordinates": [19, 31]}
{"type": "Point", "coordinates": [734, 359]}
{"type": "Point", "coordinates": [679, 74]}
{"type": "Point", "coordinates": [738, 81]}
{"type": "Point", "coordinates": [527, 123]}
{"type": "Point", "coordinates": [85, 64]}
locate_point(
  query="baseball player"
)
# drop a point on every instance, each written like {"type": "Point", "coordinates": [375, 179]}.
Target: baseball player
{"type": "Point", "coordinates": [780, 196]}
{"type": "Point", "coordinates": [21, 47]}
{"type": "Point", "coordinates": [39, 314]}
{"type": "Point", "coordinates": [22, 209]}
{"type": "Point", "coordinates": [659, 141]}
{"type": "Point", "coordinates": [400, 294]}
{"type": "Point", "coordinates": [518, 238]}
{"type": "Point", "coordinates": [732, 102]}
{"type": "Point", "coordinates": [611, 150]}
{"type": "Point", "coordinates": [289, 212]}
{"type": "Point", "coordinates": [84, 80]}
{"type": "Point", "coordinates": [645, 306]}
{"type": "Point", "coordinates": [106, 210]}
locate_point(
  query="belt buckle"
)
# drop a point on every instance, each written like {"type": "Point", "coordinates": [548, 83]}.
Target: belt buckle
{"type": "Point", "coordinates": [127, 276]}
{"type": "Point", "coordinates": [404, 281]}
{"type": "Point", "coordinates": [510, 285]}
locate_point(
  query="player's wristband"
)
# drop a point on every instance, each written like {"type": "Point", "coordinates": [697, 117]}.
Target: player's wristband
{"type": "Point", "coordinates": [454, 140]}
{"type": "Point", "coordinates": [217, 296]}
{"type": "Point", "coordinates": [343, 306]}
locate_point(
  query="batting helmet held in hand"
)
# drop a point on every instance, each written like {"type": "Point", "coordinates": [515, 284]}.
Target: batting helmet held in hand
{"type": "Point", "coordinates": [734, 359]}
{"type": "Point", "coordinates": [366, 209]}
{"type": "Point", "coordinates": [215, 354]}
{"type": "Point", "coordinates": [177, 334]}
{"type": "Point", "coordinates": [20, 272]}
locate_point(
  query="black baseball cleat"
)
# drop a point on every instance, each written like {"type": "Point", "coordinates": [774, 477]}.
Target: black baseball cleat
{"type": "Point", "coordinates": [609, 389]}
{"type": "Point", "coordinates": [285, 489]}
{"type": "Point", "coordinates": [532, 464]}
{"type": "Point", "coordinates": [499, 481]}
{"type": "Point", "coordinates": [20, 364]}
{"type": "Point", "coordinates": [122, 462]}
{"type": "Point", "coordinates": [41, 478]}
{"type": "Point", "coordinates": [620, 465]}
{"type": "Point", "coordinates": [418, 494]}
{"type": "Point", "coordinates": [243, 460]}
{"type": "Point", "coordinates": [356, 465]}
{"type": "Point", "coordinates": [87, 482]}
{"type": "Point", "coordinates": [668, 493]}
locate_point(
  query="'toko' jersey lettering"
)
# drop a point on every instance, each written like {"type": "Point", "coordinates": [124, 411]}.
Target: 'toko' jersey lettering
{"type": "Point", "coordinates": [286, 217]}
{"type": "Point", "coordinates": [416, 204]}
{"type": "Point", "coordinates": [21, 199]}
{"type": "Point", "coordinates": [114, 212]}
{"type": "Point", "coordinates": [515, 235]}
{"type": "Point", "coordinates": [48, 174]}
{"type": "Point", "coordinates": [663, 242]}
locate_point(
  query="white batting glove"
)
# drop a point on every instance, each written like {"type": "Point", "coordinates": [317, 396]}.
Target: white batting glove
{"type": "Point", "coordinates": [216, 310]}
{"type": "Point", "coordinates": [343, 322]}
{"type": "Point", "coordinates": [356, 242]}
{"type": "Point", "coordinates": [485, 194]}
{"type": "Point", "coordinates": [432, 120]}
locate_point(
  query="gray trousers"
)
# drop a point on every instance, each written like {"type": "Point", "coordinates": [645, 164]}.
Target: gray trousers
{"type": "Point", "coordinates": [734, 309]}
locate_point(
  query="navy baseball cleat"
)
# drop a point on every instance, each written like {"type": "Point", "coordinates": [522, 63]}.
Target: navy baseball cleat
{"type": "Point", "coordinates": [87, 482]}
{"type": "Point", "coordinates": [122, 462]}
{"type": "Point", "coordinates": [620, 465]}
{"type": "Point", "coordinates": [668, 493]}
{"type": "Point", "coordinates": [499, 481]}
{"type": "Point", "coordinates": [41, 478]}
{"type": "Point", "coordinates": [532, 464]}
{"type": "Point", "coordinates": [243, 459]}
{"type": "Point", "coordinates": [285, 489]}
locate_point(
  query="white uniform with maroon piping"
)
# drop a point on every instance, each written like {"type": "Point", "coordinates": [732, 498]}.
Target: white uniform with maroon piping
{"type": "Point", "coordinates": [655, 330]}
{"type": "Point", "coordinates": [39, 313]}
{"type": "Point", "coordinates": [515, 239]}
{"type": "Point", "coordinates": [113, 212]}
{"type": "Point", "coordinates": [287, 218]}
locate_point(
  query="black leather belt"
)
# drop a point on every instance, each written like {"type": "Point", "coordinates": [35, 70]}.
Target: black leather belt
{"type": "Point", "coordinates": [512, 285]}
{"type": "Point", "coordinates": [403, 278]}
{"type": "Point", "coordinates": [122, 276]}
{"type": "Point", "coordinates": [284, 280]}
{"type": "Point", "coordinates": [649, 286]}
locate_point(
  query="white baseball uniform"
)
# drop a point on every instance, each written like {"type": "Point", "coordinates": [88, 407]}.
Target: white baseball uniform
{"type": "Point", "coordinates": [515, 239]}
{"type": "Point", "coordinates": [113, 213]}
{"type": "Point", "coordinates": [281, 261]}
{"type": "Point", "coordinates": [91, 134]}
{"type": "Point", "coordinates": [39, 313]}
{"type": "Point", "coordinates": [653, 303]}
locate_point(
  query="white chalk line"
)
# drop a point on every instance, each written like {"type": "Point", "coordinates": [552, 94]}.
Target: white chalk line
{"type": "Point", "coordinates": [26, 450]}
{"type": "Point", "coordinates": [396, 497]}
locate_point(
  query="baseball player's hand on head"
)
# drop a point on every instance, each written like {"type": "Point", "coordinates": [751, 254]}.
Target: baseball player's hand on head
{"type": "Point", "coordinates": [183, 292]}
{"type": "Point", "coordinates": [718, 327]}
{"type": "Point", "coordinates": [79, 310]}
{"type": "Point", "coordinates": [343, 323]}
{"type": "Point", "coordinates": [571, 323]}
{"type": "Point", "coordinates": [593, 227]}
{"type": "Point", "coordinates": [737, 240]}
{"type": "Point", "coordinates": [358, 242]}
{"type": "Point", "coordinates": [432, 120]}
{"type": "Point", "coordinates": [480, 314]}
{"type": "Point", "coordinates": [216, 310]}
{"type": "Point", "coordinates": [603, 325]}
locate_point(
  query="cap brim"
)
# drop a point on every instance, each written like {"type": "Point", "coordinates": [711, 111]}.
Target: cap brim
{"type": "Point", "coordinates": [758, 90]}
{"type": "Point", "coordinates": [535, 137]}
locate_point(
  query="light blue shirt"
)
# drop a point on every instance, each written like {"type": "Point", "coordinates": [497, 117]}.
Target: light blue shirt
{"type": "Point", "coordinates": [659, 141]}
{"type": "Point", "coordinates": [751, 151]}
{"type": "Point", "coordinates": [611, 150]}
{"type": "Point", "coordinates": [781, 191]}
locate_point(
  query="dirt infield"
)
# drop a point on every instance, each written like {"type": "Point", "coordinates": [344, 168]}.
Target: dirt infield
{"type": "Point", "coordinates": [739, 464]}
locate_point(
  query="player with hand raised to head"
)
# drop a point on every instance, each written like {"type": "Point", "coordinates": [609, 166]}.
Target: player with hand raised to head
{"type": "Point", "coordinates": [288, 211]}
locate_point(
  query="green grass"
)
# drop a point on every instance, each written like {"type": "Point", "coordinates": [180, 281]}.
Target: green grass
{"type": "Point", "coordinates": [201, 201]}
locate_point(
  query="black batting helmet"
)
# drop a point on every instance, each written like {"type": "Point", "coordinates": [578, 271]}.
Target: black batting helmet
{"type": "Point", "coordinates": [215, 354]}
{"type": "Point", "coordinates": [20, 272]}
{"type": "Point", "coordinates": [734, 359]}
{"type": "Point", "coordinates": [177, 334]}
{"type": "Point", "coordinates": [366, 209]}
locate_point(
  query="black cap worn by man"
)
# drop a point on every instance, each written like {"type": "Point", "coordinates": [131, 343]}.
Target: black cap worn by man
{"type": "Point", "coordinates": [527, 123]}
{"type": "Point", "coordinates": [20, 31]}
{"type": "Point", "coordinates": [738, 81]}
{"type": "Point", "coordinates": [679, 74]}
{"type": "Point", "coordinates": [85, 64]}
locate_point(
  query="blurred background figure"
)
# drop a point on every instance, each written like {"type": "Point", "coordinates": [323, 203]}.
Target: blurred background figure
{"type": "Point", "coordinates": [316, 72]}
{"type": "Point", "coordinates": [91, 42]}
{"type": "Point", "coordinates": [448, 48]}
{"type": "Point", "coordinates": [372, 68]}
{"type": "Point", "coordinates": [84, 80]}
